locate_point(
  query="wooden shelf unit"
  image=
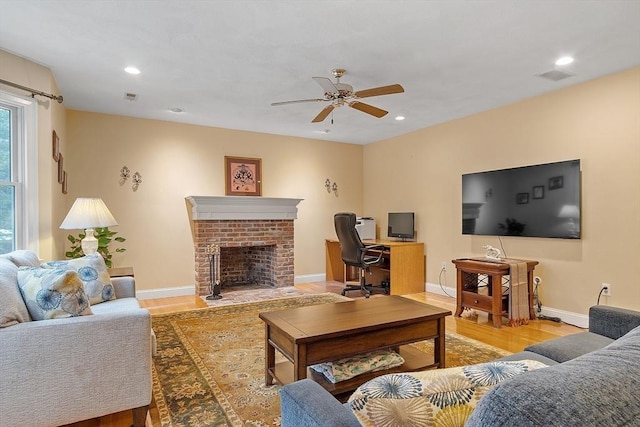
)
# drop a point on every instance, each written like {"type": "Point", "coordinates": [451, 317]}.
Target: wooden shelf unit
{"type": "Point", "coordinates": [403, 266]}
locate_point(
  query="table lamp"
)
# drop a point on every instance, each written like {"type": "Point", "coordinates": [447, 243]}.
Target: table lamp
{"type": "Point", "coordinates": [572, 213]}
{"type": "Point", "coordinates": [88, 213]}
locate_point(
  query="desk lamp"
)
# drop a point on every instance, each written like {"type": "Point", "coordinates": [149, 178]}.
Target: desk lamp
{"type": "Point", "coordinates": [87, 214]}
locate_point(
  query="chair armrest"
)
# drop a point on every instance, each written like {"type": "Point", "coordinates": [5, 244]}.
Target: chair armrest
{"type": "Point", "coordinates": [101, 362]}
{"type": "Point", "coordinates": [366, 249]}
{"type": "Point", "coordinates": [612, 322]}
{"type": "Point", "coordinates": [306, 403]}
{"type": "Point", "coordinates": [124, 286]}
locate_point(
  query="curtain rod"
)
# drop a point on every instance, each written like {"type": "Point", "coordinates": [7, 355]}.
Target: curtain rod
{"type": "Point", "coordinates": [33, 91]}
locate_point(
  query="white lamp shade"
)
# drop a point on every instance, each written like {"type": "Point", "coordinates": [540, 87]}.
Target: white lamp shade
{"type": "Point", "coordinates": [569, 211]}
{"type": "Point", "coordinates": [88, 213]}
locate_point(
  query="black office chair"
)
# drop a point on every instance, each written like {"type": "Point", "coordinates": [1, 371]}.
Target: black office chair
{"type": "Point", "coordinates": [354, 252]}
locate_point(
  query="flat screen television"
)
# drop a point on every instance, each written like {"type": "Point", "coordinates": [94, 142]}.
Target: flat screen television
{"type": "Point", "coordinates": [529, 201]}
{"type": "Point", "coordinates": [401, 225]}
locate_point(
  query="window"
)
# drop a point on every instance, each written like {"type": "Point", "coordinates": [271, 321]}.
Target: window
{"type": "Point", "coordinates": [18, 174]}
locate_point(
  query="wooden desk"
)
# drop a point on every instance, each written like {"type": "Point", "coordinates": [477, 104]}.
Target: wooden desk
{"type": "Point", "coordinates": [404, 266]}
{"type": "Point", "coordinates": [328, 332]}
{"type": "Point", "coordinates": [493, 272]}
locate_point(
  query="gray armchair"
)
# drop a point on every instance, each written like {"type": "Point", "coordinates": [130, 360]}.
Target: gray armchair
{"type": "Point", "coordinates": [61, 371]}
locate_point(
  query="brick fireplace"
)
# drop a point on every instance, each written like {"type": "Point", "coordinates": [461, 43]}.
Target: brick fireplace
{"type": "Point", "coordinates": [255, 236]}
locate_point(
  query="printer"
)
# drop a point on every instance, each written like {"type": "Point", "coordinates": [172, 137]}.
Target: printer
{"type": "Point", "coordinates": [366, 228]}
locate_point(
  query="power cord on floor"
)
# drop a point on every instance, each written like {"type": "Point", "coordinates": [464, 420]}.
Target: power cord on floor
{"type": "Point", "coordinates": [442, 270]}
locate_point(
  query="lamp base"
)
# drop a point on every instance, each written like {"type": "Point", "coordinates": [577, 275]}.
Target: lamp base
{"type": "Point", "coordinates": [89, 244]}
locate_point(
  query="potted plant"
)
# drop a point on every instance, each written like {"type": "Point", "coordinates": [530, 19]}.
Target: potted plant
{"type": "Point", "coordinates": [104, 236]}
{"type": "Point", "coordinates": [512, 227]}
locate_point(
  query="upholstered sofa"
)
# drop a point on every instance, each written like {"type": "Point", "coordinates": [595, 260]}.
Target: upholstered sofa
{"type": "Point", "coordinates": [592, 379]}
{"type": "Point", "coordinates": [72, 367]}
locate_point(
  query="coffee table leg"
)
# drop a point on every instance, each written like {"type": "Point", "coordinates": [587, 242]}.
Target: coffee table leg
{"type": "Point", "coordinates": [299, 362]}
{"type": "Point", "coordinates": [269, 358]}
{"type": "Point", "coordinates": [439, 353]}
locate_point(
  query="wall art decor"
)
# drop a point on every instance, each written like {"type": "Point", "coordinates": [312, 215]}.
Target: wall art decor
{"type": "Point", "coordinates": [56, 146]}
{"type": "Point", "coordinates": [64, 183]}
{"type": "Point", "coordinates": [522, 198]}
{"type": "Point", "coordinates": [60, 168]}
{"type": "Point", "coordinates": [243, 176]}
{"type": "Point", "coordinates": [538, 192]}
{"type": "Point", "coordinates": [556, 182]}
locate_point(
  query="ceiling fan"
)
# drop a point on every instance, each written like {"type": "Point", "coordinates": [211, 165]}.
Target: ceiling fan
{"type": "Point", "coordinates": [340, 94]}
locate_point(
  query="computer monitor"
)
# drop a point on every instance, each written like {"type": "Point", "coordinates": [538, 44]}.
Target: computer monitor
{"type": "Point", "coordinates": [401, 225]}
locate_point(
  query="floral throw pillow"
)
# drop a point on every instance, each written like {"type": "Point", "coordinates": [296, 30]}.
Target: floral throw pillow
{"type": "Point", "coordinates": [94, 275]}
{"type": "Point", "coordinates": [52, 293]}
{"type": "Point", "coordinates": [349, 367]}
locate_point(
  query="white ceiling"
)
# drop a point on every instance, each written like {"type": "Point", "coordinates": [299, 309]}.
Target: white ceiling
{"type": "Point", "coordinates": [224, 62]}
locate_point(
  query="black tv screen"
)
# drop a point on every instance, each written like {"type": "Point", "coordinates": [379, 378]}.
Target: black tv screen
{"type": "Point", "coordinates": [529, 201]}
{"type": "Point", "coordinates": [401, 225]}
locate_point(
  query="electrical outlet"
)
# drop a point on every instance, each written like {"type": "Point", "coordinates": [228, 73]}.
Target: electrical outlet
{"type": "Point", "coordinates": [444, 266]}
{"type": "Point", "coordinates": [607, 289]}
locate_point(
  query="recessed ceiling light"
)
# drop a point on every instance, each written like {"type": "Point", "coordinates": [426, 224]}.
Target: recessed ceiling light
{"type": "Point", "coordinates": [565, 60]}
{"type": "Point", "coordinates": [176, 110]}
{"type": "Point", "coordinates": [132, 70]}
{"type": "Point", "coordinates": [399, 118]}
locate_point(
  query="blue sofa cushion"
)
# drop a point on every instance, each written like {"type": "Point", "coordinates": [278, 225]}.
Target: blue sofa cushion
{"type": "Point", "coordinates": [297, 409]}
{"type": "Point", "coordinates": [569, 347]}
{"type": "Point", "coordinates": [597, 389]}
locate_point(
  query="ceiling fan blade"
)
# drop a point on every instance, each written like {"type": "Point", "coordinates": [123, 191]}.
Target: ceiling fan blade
{"type": "Point", "coordinates": [369, 109]}
{"type": "Point", "coordinates": [326, 84]}
{"type": "Point", "coordinates": [298, 101]}
{"type": "Point", "coordinates": [377, 91]}
{"type": "Point", "coordinates": [323, 114]}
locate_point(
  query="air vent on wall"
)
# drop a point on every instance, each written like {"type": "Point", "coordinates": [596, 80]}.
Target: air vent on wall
{"type": "Point", "coordinates": [130, 96]}
{"type": "Point", "coordinates": [554, 75]}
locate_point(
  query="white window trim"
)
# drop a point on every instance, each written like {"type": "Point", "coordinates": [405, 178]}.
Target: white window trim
{"type": "Point", "coordinates": [27, 164]}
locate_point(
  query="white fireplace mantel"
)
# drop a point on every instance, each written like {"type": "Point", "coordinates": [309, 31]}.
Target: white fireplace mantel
{"type": "Point", "coordinates": [242, 208]}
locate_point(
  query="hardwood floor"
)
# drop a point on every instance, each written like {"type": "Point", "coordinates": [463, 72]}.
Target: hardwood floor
{"type": "Point", "coordinates": [478, 328]}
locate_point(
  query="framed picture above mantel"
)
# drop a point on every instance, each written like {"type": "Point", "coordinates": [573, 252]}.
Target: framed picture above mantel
{"type": "Point", "coordinates": [243, 176]}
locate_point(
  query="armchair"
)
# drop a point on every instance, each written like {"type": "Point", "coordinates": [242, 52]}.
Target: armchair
{"type": "Point", "coordinates": [354, 253]}
{"type": "Point", "coordinates": [66, 370]}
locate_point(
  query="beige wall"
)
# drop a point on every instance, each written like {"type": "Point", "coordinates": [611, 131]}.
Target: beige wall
{"type": "Point", "coordinates": [597, 122]}
{"type": "Point", "coordinates": [177, 160]}
{"type": "Point", "coordinates": [50, 116]}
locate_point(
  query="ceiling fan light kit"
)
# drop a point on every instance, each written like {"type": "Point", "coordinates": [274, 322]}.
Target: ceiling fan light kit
{"type": "Point", "coordinates": [340, 94]}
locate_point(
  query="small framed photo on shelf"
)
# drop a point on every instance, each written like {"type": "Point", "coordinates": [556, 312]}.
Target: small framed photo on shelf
{"type": "Point", "coordinates": [64, 183]}
{"type": "Point", "coordinates": [243, 176]}
{"type": "Point", "coordinates": [56, 146]}
{"type": "Point", "coordinates": [60, 168]}
{"type": "Point", "coordinates": [556, 182]}
{"type": "Point", "coordinates": [538, 192]}
{"type": "Point", "coordinates": [522, 198]}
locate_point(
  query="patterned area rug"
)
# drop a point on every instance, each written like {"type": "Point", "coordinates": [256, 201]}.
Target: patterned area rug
{"type": "Point", "coordinates": [209, 369]}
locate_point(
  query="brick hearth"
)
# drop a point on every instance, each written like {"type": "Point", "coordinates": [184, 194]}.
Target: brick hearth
{"type": "Point", "coordinates": [258, 249]}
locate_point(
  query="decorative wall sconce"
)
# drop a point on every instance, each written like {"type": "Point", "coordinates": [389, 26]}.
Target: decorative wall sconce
{"type": "Point", "coordinates": [488, 194]}
{"type": "Point", "coordinates": [125, 173]}
{"type": "Point", "coordinates": [137, 180]}
{"type": "Point", "coordinates": [331, 187]}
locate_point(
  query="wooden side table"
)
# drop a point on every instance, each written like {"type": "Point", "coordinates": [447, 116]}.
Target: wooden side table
{"type": "Point", "coordinates": [120, 271]}
{"type": "Point", "coordinates": [494, 275]}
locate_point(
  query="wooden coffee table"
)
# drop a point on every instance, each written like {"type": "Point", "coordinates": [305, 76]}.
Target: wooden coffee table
{"type": "Point", "coordinates": [327, 332]}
